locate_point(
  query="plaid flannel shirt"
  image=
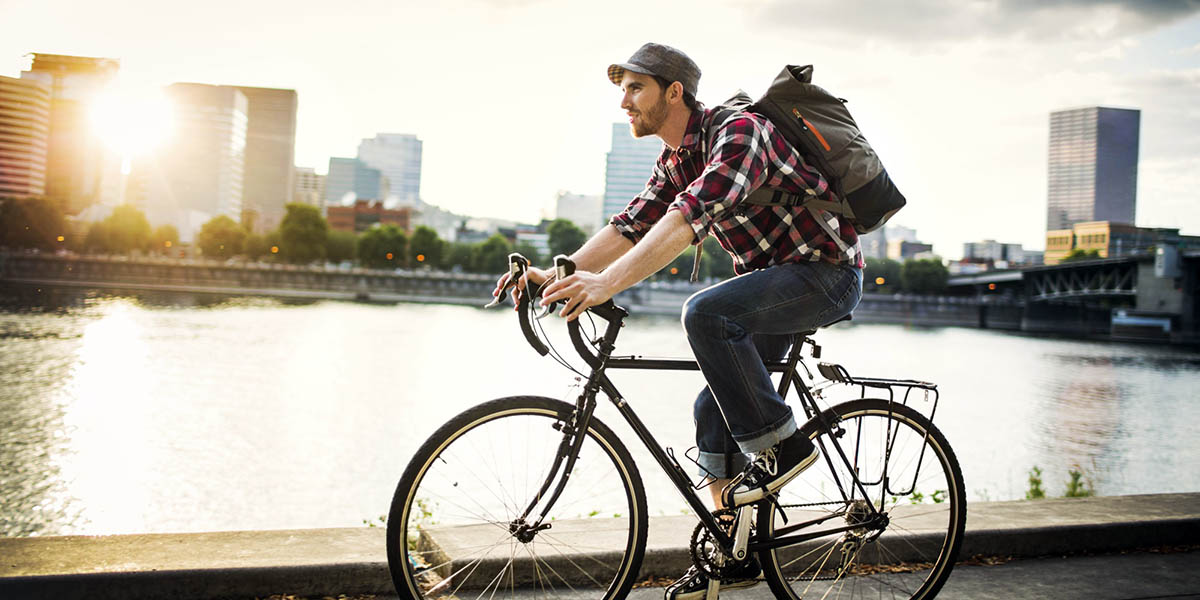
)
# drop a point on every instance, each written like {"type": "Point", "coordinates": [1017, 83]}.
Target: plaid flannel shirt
{"type": "Point", "coordinates": [708, 187]}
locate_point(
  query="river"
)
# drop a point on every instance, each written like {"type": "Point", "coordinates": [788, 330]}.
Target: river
{"type": "Point", "coordinates": [173, 413]}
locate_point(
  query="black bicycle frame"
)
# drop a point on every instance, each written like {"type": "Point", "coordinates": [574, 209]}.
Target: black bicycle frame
{"type": "Point", "coordinates": [575, 430]}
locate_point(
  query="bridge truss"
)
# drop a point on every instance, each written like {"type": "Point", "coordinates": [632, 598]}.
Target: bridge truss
{"type": "Point", "coordinates": [1116, 279]}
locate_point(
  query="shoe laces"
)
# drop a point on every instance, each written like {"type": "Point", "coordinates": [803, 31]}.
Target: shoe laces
{"type": "Point", "coordinates": [765, 463]}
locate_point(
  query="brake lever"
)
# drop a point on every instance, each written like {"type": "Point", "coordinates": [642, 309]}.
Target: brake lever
{"type": "Point", "coordinates": [501, 297]}
{"type": "Point", "coordinates": [517, 265]}
{"type": "Point", "coordinates": [563, 268]}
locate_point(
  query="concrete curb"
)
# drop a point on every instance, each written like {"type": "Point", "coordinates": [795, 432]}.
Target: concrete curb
{"type": "Point", "coordinates": [321, 562]}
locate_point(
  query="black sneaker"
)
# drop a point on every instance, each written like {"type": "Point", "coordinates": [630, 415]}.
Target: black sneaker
{"type": "Point", "coordinates": [694, 584]}
{"type": "Point", "coordinates": [771, 469]}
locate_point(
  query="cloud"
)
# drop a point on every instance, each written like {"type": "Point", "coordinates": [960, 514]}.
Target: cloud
{"type": "Point", "coordinates": [1186, 51]}
{"type": "Point", "coordinates": [917, 21]}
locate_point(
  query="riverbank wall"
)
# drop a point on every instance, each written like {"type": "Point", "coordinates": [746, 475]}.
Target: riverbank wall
{"type": "Point", "coordinates": [664, 298]}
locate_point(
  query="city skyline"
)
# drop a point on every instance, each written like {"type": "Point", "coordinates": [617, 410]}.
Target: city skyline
{"type": "Point", "coordinates": [483, 83]}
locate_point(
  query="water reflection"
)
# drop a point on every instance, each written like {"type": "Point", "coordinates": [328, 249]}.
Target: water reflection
{"type": "Point", "coordinates": [167, 412]}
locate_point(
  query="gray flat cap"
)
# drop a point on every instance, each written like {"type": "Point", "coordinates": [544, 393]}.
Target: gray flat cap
{"type": "Point", "coordinates": [664, 61]}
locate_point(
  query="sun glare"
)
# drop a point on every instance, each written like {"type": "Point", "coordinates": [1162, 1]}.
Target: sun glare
{"type": "Point", "coordinates": [131, 122]}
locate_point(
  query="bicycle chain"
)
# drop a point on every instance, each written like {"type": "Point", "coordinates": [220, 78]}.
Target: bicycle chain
{"type": "Point", "coordinates": [841, 568]}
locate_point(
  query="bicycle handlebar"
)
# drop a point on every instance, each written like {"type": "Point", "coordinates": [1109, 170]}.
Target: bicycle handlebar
{"type": "Point", "coordinates": [563, 267]}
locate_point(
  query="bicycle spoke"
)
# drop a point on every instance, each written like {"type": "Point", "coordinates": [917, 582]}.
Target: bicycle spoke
{"type": "Point", "coordinates": [483, 472]}
{"type": "Point", "coordinates": [907, 475]}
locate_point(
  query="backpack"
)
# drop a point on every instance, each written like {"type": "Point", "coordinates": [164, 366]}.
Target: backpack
{"type": "Point", "coordinates": [822, 130]}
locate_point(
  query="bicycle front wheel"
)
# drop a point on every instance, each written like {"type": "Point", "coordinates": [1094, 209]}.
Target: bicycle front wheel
{"type": "Point", "coordinates": [455, 527]}
{"type": "Point", "coordinates": [911, 508]}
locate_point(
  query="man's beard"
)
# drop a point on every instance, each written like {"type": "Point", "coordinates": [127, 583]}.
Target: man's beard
{"type": "Point", "coordinates": [650, 121]}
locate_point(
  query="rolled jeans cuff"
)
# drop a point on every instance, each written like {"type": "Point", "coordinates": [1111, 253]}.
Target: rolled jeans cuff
{"type": "Point", "coordinates": [713, 464]}
{"type": "Point", "coordinates": [769, 436]}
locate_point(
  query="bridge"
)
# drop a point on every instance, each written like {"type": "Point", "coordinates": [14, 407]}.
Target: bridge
{"type": "Point", "coordinates": [1148, 295]}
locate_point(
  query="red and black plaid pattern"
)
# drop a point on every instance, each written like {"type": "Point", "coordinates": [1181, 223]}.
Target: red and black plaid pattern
{"type": "Point", "coordinates": [708, 188]}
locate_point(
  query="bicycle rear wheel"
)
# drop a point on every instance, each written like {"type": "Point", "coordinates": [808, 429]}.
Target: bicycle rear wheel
{"type": "Point", "coordinates": [909, 473]}
{"type": "Point", "coordinates": [453, 529]}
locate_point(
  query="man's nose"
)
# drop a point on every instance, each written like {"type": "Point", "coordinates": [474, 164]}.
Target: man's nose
{"type": "Point", "coordinates": [626, 103]}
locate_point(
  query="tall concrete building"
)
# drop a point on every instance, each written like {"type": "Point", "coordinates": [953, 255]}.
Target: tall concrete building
{"type": "Point", "coordinates": [200, 173]}
{"type": "Point", "coordinates": [24, 136]}
{"type": "Point", "coordinates": [309, 188]}
{"type": "Point", "coordinates": [77, 163]}
{"type": "Point", "coordinates": [270, 153]}
{"type": "Point", "coordinates": [1092, 171]}
{"type": "Point", "coordinates": [350, 175]}
{"type": "Point", "coordinates": [585, 211]}
{"type": "Point", "coordinates": [628, 167]}
{"type": "Point", "coordinates": [398, 157]}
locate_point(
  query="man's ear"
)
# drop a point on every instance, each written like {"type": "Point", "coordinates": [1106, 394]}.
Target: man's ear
{"type": "Point", "coordinates": [675, 91]}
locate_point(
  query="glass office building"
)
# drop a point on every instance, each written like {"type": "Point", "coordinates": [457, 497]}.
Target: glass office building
{"type": "Point", "coordinates": [1092, 173]}
{"type": "Point", "coordinates": [628, 168]}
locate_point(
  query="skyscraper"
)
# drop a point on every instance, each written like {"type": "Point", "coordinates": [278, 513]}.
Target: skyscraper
{"type": "Point", "coordinates": [77, 163]}
{"type": "Point", "coordinates": [350, 175]}
{"type": "Point", "coordinates": [270, 153]}
{"type": "Point", "coordinates": [628, 167]}
{"type": "Point", "coordinates": [1092, 173]}
{"type": "Point", "coordinates": [309, 188]}
{"type": "Point", "coordinates": [398, 157]}
{"type": "Point", "coordinates": [200, 172]}
{"type": "Point", "coordinates": [24, 134]}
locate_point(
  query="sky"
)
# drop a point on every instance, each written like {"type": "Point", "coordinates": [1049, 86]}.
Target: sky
{"type": "Point", "coordinates": [511, 100]}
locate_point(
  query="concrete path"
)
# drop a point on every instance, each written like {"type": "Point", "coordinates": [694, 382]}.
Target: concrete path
{"type": "Point", "coordinates": [316, 563]}
{"type": "Point", "coordinates": [1109, 577]}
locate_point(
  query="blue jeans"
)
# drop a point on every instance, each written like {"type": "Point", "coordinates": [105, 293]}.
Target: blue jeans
{"type": "Point", "coordinates": [736, 325]}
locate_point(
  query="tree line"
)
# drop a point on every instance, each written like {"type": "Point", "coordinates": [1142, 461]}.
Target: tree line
{"type": "Point", "coordinates": [918, 276]}
{"type": "Point", "coordinates": [304, 237]}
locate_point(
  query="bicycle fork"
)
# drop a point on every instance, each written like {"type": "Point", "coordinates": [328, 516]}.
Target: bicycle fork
{"type": "Point", "coordinates": [574, 432]}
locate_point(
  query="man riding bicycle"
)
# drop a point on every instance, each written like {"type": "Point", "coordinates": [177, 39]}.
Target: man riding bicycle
{"type": "Point", "coordinates": [798, 269]}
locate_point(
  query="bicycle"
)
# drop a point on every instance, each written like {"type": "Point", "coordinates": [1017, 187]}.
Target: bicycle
{"type": "Point", "coordinates": [484, 506]}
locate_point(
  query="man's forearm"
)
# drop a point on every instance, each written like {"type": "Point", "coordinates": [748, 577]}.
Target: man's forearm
{"type": "Point", "coordinates": [601, 250]}
{"type": "Point", "coordinates": [665, 241]}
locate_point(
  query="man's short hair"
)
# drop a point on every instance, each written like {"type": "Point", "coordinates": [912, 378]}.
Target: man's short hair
{"type": "Point", "coordinates": [688, 99]}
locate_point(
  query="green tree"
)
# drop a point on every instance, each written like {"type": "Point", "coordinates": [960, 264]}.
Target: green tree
{"type": "Point", "coordinates": [1081, 254]}
{"type": "Point", "coordinates": [425, 247]}
{"type": "Point", "coordinates": [31, 223]}
{"type": "Point", "coordinates": [97, 238]}
{"type": "Point", "coordinates": [529, 251]}
{"type": "Point", "coordinates": [881, 276]}
{"type": "Point", "coordinates": [303, 234]}
{"type": "Point", "coordinates": [383, 247]}
{"type": "Point", "coordinates": [565, 237]}
{"type": "Point", "coordinates": [459, 256]}
{"type": "Point", "coordinates": [221, 237]}
{"type": "Point", "coordinates": [716, 263]}
{"type": "Point", "coordinates": [339, 246]}
{"type": "Point", "coordinates": [128, 229]}
{"type": "Point", "coordinates": [164, 239]}
{"type": "Point", "coordinates": [924, 276]}
{"type": "Point", "coordinates": [492, 255]}
{"type": "Point", "coordinates": [256, 246]}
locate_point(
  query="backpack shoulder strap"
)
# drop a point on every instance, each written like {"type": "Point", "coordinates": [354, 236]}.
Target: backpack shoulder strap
{"type": "Point", "coordinates": [721, 113]}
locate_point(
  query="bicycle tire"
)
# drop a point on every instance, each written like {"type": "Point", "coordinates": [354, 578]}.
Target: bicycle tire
{"type": "Point", "coordinates": [493, 458]}
{"type": "Point", "coordinates": [914, 555]}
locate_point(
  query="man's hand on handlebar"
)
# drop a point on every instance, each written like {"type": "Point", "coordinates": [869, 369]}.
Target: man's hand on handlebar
{"type": "Point", "coordinates": [532, 274]}
{"type": "Point", "coordinates": [580, 292]}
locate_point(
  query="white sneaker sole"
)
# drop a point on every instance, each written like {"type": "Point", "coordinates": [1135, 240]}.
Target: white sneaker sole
{"type": "Point", "coordinates": [747, 496]}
